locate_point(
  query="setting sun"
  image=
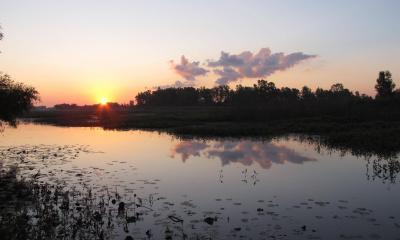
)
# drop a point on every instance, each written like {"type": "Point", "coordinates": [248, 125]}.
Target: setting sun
{"type": "Point", "coordinates": [103, 101]}
{"type": "Point", "coordinates": [114, 114]}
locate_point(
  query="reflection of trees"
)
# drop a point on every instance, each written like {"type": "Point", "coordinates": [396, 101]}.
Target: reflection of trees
{"type": "Point", "coordinates": [384, 166]}
{"type": "Point", "coordinates": [385, 169]}
{"type": "Point", "coordinates": [382, 162]}
{"type": "Point", "coordinates": [245, 152]}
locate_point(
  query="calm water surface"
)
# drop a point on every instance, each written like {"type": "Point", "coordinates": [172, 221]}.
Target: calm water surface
{"type": "Point", "coordinates": [246, 189]}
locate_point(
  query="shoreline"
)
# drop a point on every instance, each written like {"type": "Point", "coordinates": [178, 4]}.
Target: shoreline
{"type": "Point", "coordinates": [370, 136]}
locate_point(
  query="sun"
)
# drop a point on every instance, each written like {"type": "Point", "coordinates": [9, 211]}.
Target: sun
{"type": "Point", "coordinates": [103, 101]}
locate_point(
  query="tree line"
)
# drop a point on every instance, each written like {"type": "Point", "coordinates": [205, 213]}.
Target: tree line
{"type": "Point", "coordinates": [263, 93]}
{"type": "Point", "coordinates": [283, 102]}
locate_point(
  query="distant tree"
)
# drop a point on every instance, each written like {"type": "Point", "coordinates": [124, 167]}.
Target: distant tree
{"type": "Point", "coordinates": [205, 96]}
{"type": "Point", "coordinates": [220, 94]}
{"type": "Point", "coordinates": [143, 98]}
{"type": "Point", "coordinates": [267, 90]}
{"type": "Point", "coordinates": [307, 94]}
{"type": "Point", "coordinates": [337, 87]}
{"type": "Point", "coordinates": [289, 94]}
{"type": "Point", "coordinates": [384, 85]}
{"type": "Point", "coordinates": [244, 96]}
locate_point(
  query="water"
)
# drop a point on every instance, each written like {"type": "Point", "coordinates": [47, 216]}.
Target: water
{"type": "Point", "coordinates": [222, 189]}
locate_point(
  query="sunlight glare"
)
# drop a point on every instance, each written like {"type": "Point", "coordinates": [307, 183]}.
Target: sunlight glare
{"type": "Point", "coordinates": [103, 101]}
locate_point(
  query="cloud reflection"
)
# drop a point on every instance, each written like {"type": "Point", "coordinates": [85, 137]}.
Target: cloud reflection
{"type": "Point", "coordinates": [245, 152]}
{"type": "Point", "coordinates": [188, 149]}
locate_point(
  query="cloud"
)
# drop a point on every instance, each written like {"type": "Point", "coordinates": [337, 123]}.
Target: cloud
{"type": "Point", "coordinates": [244, 152]}
{"type": "Point", "coordinates": [249, 65]}
{"type": "Point", "coordinates": [233, 67]}
{"type": "Point", "coordinates": [227, 60]}
{"type": "Point", "coordinates": [188, 70]}
{"type": "Point", "coordinates": [227, 75]}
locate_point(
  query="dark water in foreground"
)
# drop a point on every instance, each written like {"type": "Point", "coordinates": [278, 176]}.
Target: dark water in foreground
{"type": "Point", "coordinates": [225, 189]}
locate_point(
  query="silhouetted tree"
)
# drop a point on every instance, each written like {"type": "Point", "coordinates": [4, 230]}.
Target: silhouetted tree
{"type": "Point", "coordinates": [337, 87]}
{"type": "Point", "coordinates": [220, 94]}
{"type": "Point", "coordinates": [15, 98]}
{"type": "Point", "coordinates": [266, 90]}
{"type": "Point", "coordinates": [143, 98]}
{"type": "Point", "coordinates": [306, 94]}
{"type": "Point", "coordinates": [265, 101]}
{"type": "Point", "coordinates": [384, 85]}
{"type": "Point", "coordinates": [205, 96]}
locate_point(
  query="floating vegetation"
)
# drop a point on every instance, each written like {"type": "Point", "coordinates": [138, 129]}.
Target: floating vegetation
{"type": "Point", "coordinates": [45, 195]}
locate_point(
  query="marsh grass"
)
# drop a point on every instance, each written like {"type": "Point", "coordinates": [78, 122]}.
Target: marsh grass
{"type": "Point", "coordinates": [34, 210]}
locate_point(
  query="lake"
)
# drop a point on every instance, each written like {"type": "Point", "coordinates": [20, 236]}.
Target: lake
{"type": "Point", "coordinates": [172, 188]}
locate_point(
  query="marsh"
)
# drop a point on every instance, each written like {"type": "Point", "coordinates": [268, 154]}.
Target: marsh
{"type": "Point", "coordinates": [151, 185]}
{"type": "Point", "coordinates": [199, 120]}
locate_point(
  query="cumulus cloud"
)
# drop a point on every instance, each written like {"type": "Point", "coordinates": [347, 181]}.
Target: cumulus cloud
{"type": "Point", "coordinates": [233, 67]}
{"type": "Point", "coordinates": [227, 60]}
{"type": "Point", "coordinates": [258, 65]}
{"type": "Point", "coordinates": [188, 70]}
{"type": "Point", "coordinates": [227, 75]}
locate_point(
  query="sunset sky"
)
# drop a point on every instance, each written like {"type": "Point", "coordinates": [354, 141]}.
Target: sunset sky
{"type": "Point", "coordinates": [80, 51]}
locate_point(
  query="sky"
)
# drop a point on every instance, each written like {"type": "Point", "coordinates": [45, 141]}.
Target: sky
{"type": "Point", "coordinates": [80, 51]}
